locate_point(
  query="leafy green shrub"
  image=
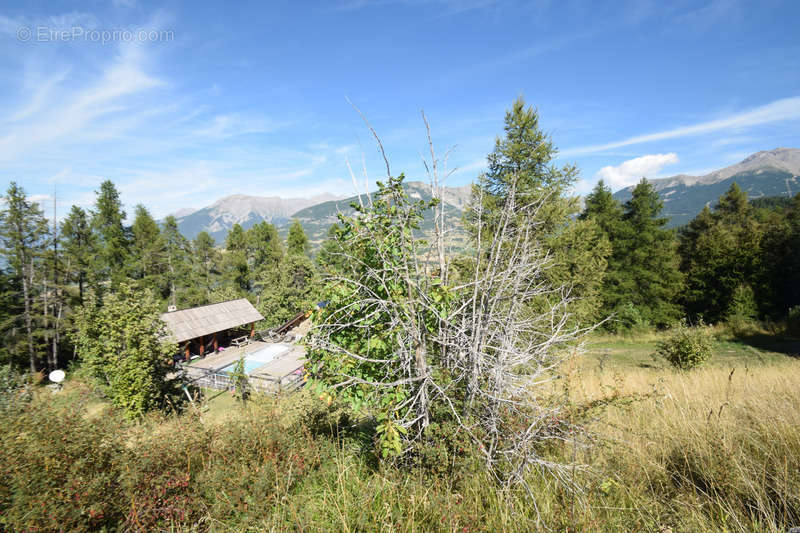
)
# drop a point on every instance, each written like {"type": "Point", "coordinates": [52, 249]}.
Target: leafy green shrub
{"type": "Point", "coordinates": [742, 313]}
{"type": "Point", "coordinates": [626, 318]}
{"type": "Point", "coordinates": [121, 345]}
{"type": "Point", "coordinates": [446, 450]}
{"type": "Point", "coordinates": [685, 347]}
{"type": "Point", "coordinates": [740, 326]}
{"type": "Point", "coordinates": [743, 303]}
{"type": "Point", "coordinates": [239, 380]}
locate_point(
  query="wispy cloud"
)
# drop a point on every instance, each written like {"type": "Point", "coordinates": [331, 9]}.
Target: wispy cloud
{"type": "Point", "coordinates": [229, 125]}
{"type": "Point", "coordinates": [473, 167]}
{"type": "Point", "coordinates": [448, 7]}
{"type": "Point", "coordinates": [713, 12]}
{"type": "Point", "coordinates": [75, 113]}
{"type": "Point", "coordinates": [786, 109]}
{"type": "Point", "coordinates": [632, 170]}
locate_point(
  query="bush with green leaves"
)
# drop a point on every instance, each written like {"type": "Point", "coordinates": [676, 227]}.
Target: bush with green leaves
{"type": "Point", "coordinates": [743, 303]}
{"type": "Point", "coordinates": [627, 318]}
{"type": "Point", "coordinates": [120, 342]}
{"type": "Point", "coordinates": [239, 382]}
{"type": "Point", "coordinates": [686, 347]}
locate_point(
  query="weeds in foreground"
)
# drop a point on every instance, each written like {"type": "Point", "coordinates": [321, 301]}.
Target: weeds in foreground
{"type": "Point", "coordinates": [711, 450]}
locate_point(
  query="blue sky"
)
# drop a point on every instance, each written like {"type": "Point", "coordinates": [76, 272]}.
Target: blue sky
{"type": "Point", "coordinates": [187, 102]}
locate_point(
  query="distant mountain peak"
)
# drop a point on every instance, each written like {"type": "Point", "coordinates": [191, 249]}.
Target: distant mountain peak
{"type": "Point", "coordinates": [777, 152]}
{"type": "Point", "coordinates": [243, 209]}
{"type": "Point", "coordinates": [183, 212]}
{"type": "Point", "coordinates": [316, 213]}
{"type": "Point", "coordinates": [766, 173]}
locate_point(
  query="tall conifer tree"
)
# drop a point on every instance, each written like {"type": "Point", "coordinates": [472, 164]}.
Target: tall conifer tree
{"type": "Point", "coordinates": [297, 241]}
{"type": "Point", "coordinates": [23, 238]}
{"type": "Point", "coordinates": [522, 165]}
{"type": "Point", "coordinates": [113, 244]}
{"type": "Point", "coordinates": [148, 251]}
{"type": "Point", "coordinates": [721, 256]}
{"type": "Point", "coordinates": [643, 270]}
{"type": "Point", "coordinates": [78, 245]}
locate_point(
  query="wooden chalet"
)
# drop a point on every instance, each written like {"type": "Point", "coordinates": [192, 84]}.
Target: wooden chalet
{"type": "Point", "coordinates": [204, 329]}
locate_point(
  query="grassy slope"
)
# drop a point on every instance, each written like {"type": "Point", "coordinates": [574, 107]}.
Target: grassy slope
{"type": "Point", "coordinates": [715, 449]}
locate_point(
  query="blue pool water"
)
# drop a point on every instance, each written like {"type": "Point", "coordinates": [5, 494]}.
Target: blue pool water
{"type": "Point", "coordinates": [257, 359]}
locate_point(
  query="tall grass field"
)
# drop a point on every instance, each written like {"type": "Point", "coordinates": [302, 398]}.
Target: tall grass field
{"type": "Point", "coordinates": [712, 449]}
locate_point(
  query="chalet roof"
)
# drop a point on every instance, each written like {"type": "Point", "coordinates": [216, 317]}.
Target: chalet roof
{"type": "Point", "coordinates": [197, 321]}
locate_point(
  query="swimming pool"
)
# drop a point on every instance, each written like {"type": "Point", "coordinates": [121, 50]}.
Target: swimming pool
{"type": "Point", "coordinates": [259, 358]}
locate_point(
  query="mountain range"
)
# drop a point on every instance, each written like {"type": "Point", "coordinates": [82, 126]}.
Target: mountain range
{"type": "Point", "coordinates": [768, 173]}
{"type": "Point", "coordinates": [218, 218]}
{"type": "Point", "coordinates": [316, 214]}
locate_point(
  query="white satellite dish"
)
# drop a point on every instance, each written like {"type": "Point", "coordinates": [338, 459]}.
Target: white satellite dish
{"type": "Point", "coordinates": [57, 376]}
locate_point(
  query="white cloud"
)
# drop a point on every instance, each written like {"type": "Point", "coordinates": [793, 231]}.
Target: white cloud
{"type": "Point", "coordinates": [77, 113]}
{"type": "Point", "coordinates": [632, 170]}
{"type": "Point", "coordinates": [782, 110]}
{"type": "Point", "coordinates": [475, 166]}
{"type": "Point", "coordinates": [40, 199]}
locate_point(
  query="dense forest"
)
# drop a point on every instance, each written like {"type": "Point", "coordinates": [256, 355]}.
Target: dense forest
{"type": "Point", "coordinates": [52, 271]}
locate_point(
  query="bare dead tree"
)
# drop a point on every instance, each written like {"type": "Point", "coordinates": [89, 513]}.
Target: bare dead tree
{"type": "Point", "coordinates": [482, 343]}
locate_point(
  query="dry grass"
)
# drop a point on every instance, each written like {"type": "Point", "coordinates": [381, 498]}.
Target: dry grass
{"type": "Point", "coordinates": [714, 448]}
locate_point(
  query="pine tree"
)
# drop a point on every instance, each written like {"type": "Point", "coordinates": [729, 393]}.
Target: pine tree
{"type": "Point", "coordinates": [264, 256]}
{"type": "Point", "coordinates": [237, 270]}
{"type": "Point", "coordinates": [290, 290]}
{"type": "Point", "coordinates": [78, 244]}
{"type": "Point", "coordinates": [176, 249]}
{"type": "Point", "coordinates": [722, 258]}
{"type": "Point", "coordinates": [113, 244]}
{"type": "Point", "coordinates": [522, 161]}
{"type": "Point", "coordinates": [235, 240]}
{"type": "Point", "coordinates": [330, 257]}
{"type": "Point", "coordinates": [601, 206]}
{"type": "Point", "coordinates": [12, 349]}
{"type": "Point", "coordinates": [206, 260]}
{"type": "Point", "coordinates": [23, 234]}
{"type": "Point", "coordinates": [521, 169]}
{"type": "Point", "coordinates": [297, 241]}
{"type": "Point", "coordinates": [643, 269]}
{"type": "Point", "coordinates": [55, 297]}
{"type": "Point", "coordinates": [148, 251]}
{"type": "Point", "coordinates": [264, 246]}
{"type": "Point", "coordinates": [785, 269]}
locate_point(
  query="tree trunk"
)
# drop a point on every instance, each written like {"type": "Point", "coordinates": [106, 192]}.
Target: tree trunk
{"type": "Point", "coordinates": [80, 286]}
{"type": "Point", "coordinates": [422, 370]}
{"type": "Point", "coordinates": [171, 280]}
{"type": "Point", "coordinates": [46, 313]}
{"type": "Point", "coordinates": [26, 291]}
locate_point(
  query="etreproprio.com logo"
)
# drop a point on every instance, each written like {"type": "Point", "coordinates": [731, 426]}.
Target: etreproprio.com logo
{"type": "Point", "coordinates": [45, 34]}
